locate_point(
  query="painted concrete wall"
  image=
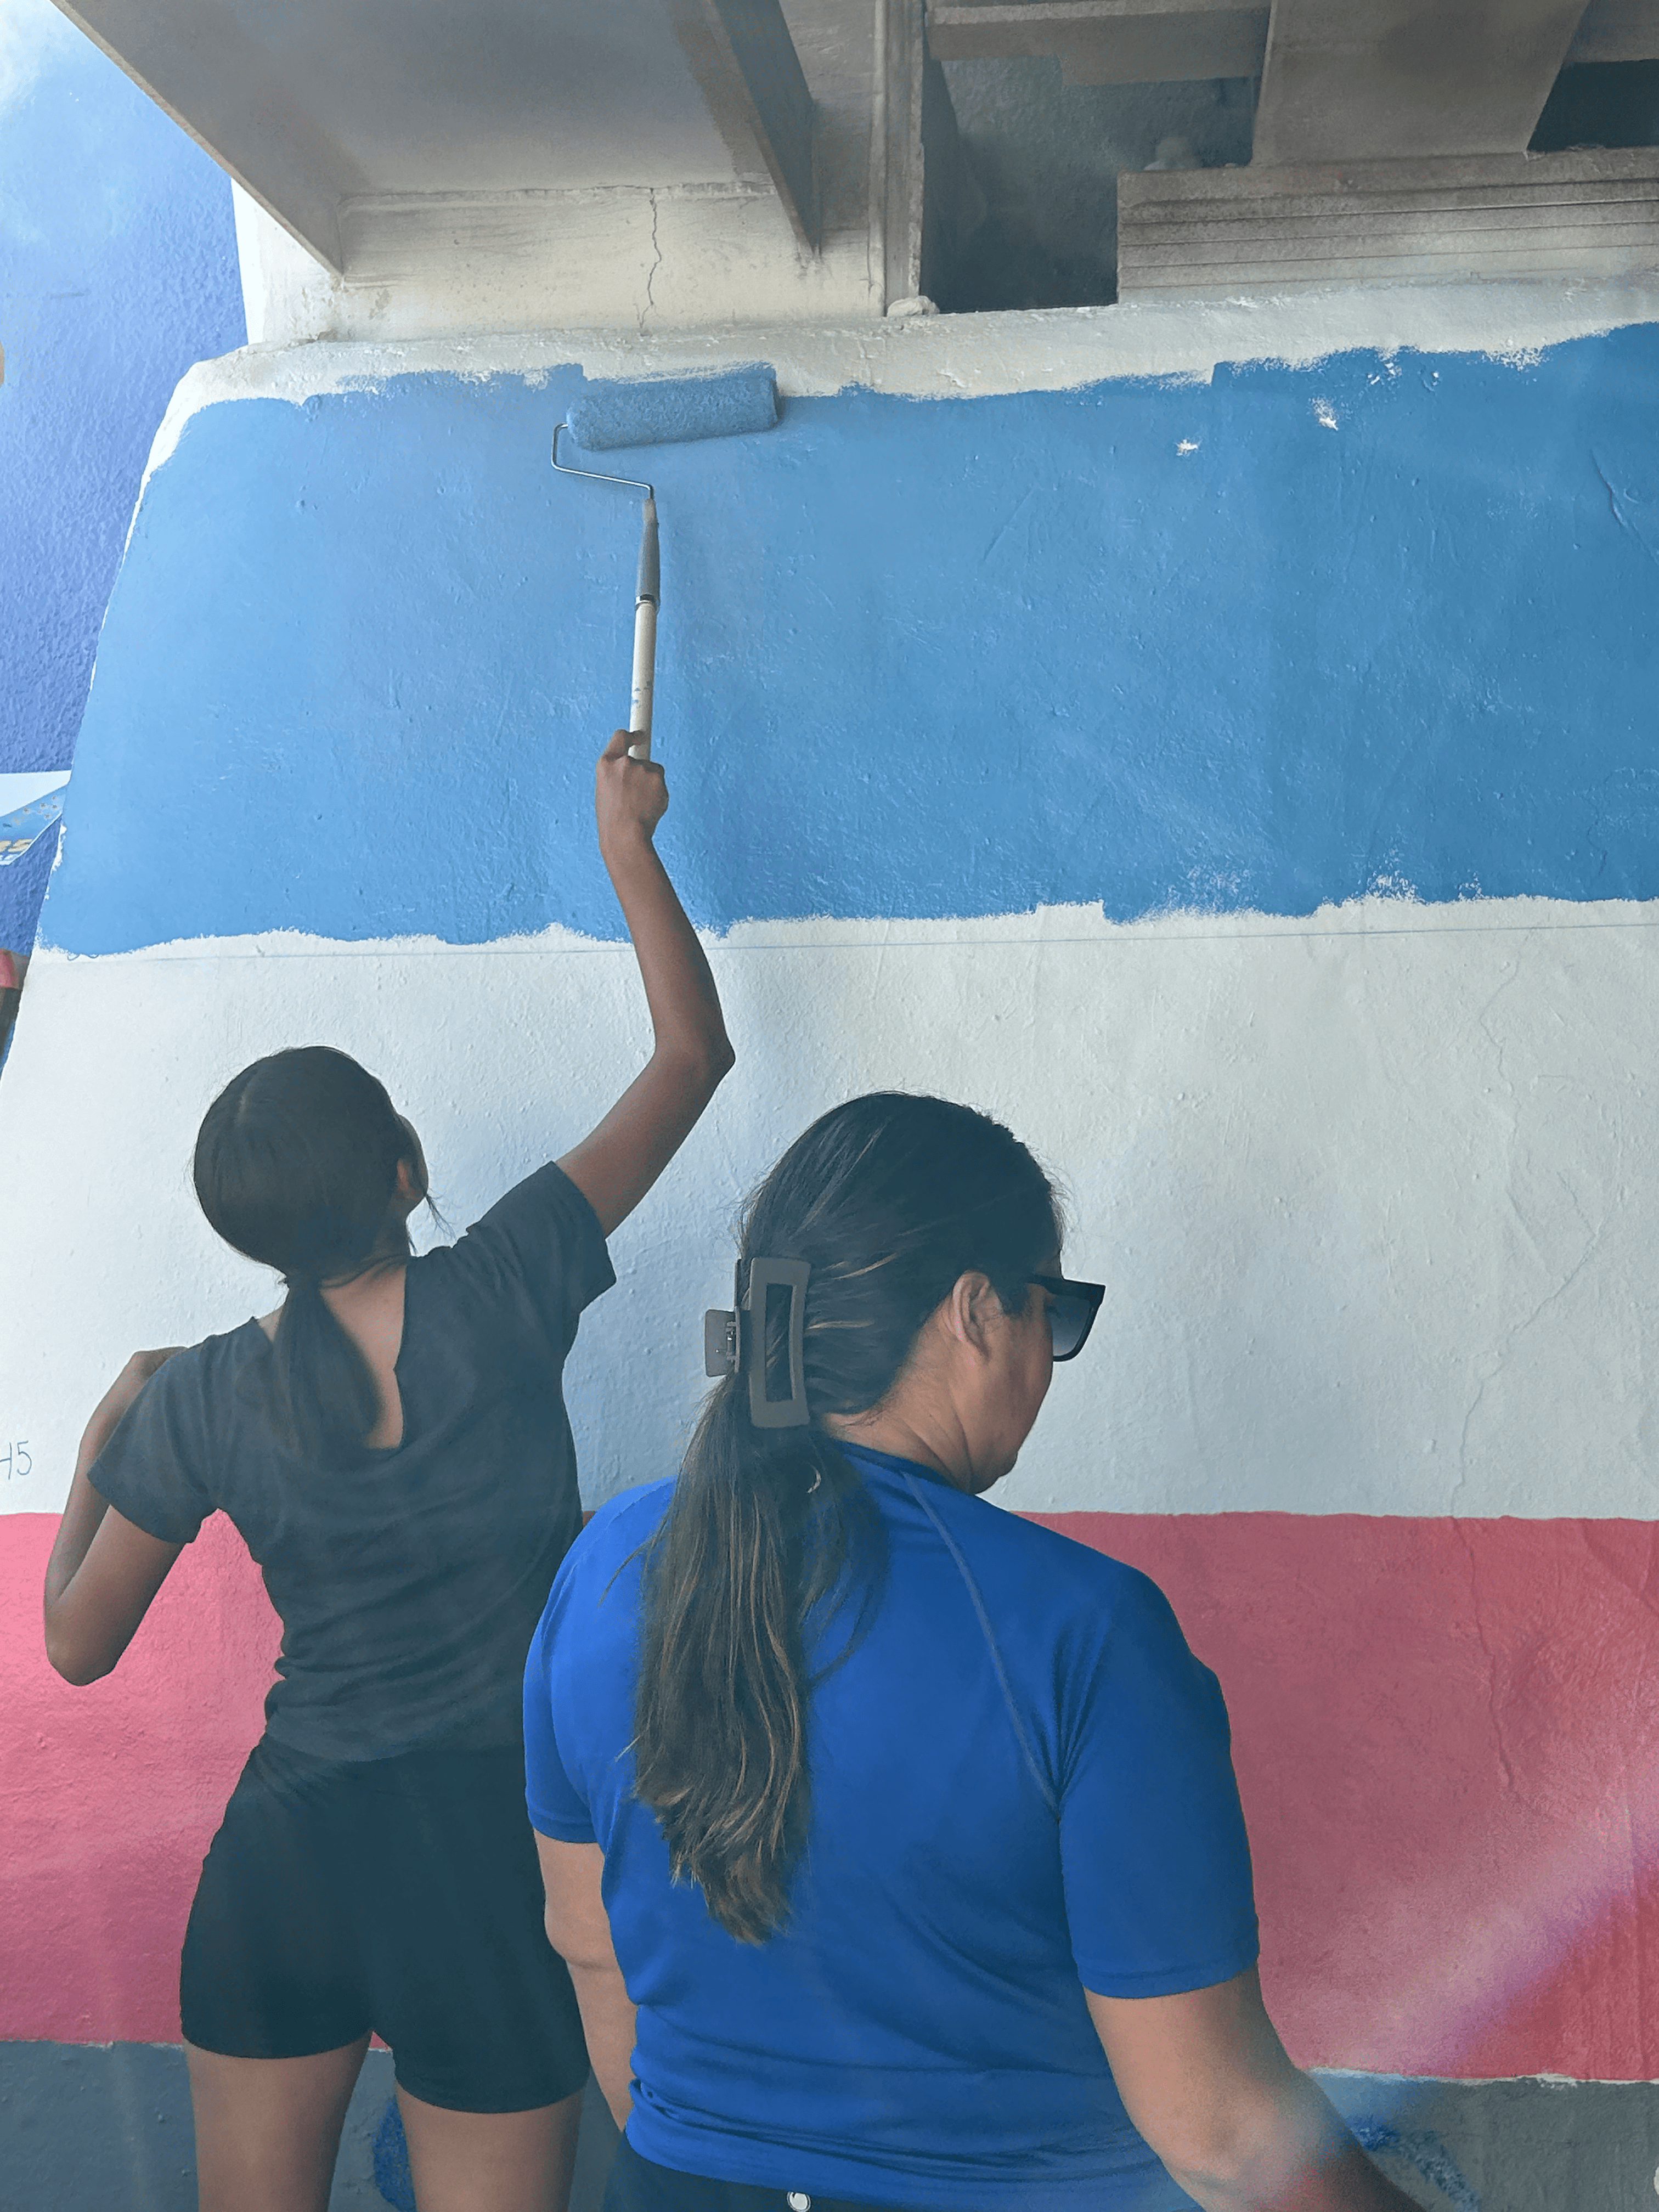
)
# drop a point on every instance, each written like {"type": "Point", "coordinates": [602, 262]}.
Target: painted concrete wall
{"type": "Point", "coordinates": [1222, 745]}
{"type": "Point", "coordinates": [117, 270]}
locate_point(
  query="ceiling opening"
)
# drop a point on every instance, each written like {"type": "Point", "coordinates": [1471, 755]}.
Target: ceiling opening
{"type": "Point", "coordinates": [1600, 103]}
{"type": "Point", "coordinates": [1046, 155]}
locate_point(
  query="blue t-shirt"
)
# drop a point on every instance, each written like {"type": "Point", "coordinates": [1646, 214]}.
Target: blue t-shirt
{"type": "Point", "coordinates": [993, 1832]}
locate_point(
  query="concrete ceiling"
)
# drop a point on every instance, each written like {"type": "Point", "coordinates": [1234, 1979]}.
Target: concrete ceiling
{"type": "Point", "coordinates": [405, 140]}
{"type": "Point", "coordinates": [1391, 137]}
{"type": "Point", "coordinates": [420, 95]}
{"type": "Point", "coordinates": [1106, 41]}
{"type": "Point", "coordinates": [1389, 79]}
{"type": "Point", "coordinates": [1340, 79]}
{"type": "Point", "coordinates": [315, 105]}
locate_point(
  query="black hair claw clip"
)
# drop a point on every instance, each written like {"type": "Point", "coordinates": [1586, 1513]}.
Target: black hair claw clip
{"type": "Point", "coordinates": [723, 1337]}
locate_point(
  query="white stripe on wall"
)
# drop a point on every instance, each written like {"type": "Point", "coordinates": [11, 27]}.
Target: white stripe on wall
{"type": "Point", "coordinates": [953, 356]}
{"type": "Point", "coordinates": [1374, 1193]}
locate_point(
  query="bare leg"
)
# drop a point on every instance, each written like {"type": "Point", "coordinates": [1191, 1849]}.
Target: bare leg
{"type": "Point", "coordinates": [268, 2129]}
{"type": "Point", "coordinates": [491, 2161]}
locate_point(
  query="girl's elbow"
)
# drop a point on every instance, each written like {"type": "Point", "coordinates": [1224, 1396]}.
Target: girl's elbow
{"type": "Point", "coordinates": [709, 1061]}
{"type": "Point", "coordinates": [72, 1661]}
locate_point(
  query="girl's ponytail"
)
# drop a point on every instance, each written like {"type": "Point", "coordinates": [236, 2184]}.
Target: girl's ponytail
{"type": "Point", "coordinates": [296, 1164]}
{"type": "Point", "coordinates": [889, 1200]}
{"type": "Point", "coordinates": [326, 1399]}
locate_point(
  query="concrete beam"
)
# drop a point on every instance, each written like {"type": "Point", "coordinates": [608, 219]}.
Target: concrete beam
{"type": "Point", "coordinates": [1196, 232]}
{"type": "Point", "coordinates": [206, 71]}
{"type": "Point", "coordinates": [1391, 80]}
{"type": "Point", "coordinates": [930, 201]}
{"type": "Point", "coordinates": [745, 61]}
{"type": "Point", "coordinates": [341, 117]}
{"type": "Point", "coordinates": [1106, 41]}
{"type": "Point", "coordinates": [1617, 31]}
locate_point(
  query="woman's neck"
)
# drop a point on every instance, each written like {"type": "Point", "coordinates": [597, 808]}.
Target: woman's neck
{"type": "Point", "coordinates": [887, 1429]}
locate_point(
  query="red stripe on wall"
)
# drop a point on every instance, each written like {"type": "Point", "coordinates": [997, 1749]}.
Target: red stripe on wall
{"type": "Point", "coordinates": [1447, 1735]}
{"type": "Point", "coordinates": [112, 1793]}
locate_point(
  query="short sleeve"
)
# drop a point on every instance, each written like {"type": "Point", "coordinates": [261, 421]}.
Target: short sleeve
{"type": "Point", "coordinates": [1154, 1854]}
{"type": "Point", "coordinates": [539, 1247]}
{"type": "Point", "coordinates": [557, 1807]}
{"type": "Point", "coordinates": [153, 1470]}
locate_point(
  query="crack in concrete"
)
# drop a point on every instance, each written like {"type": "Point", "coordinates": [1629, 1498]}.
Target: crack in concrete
{"type": "Point", "coordinates": [1511, 975]}
{"type": "Point", "coordinates": [1482, 1024]}
{"type": "Point", "coordinates": [1618, 512]}
{"type": "Point", "coordinates": [1462, 1474]}
{"type": "Point", "coordinates": [1019, 507]}
{"type": "Point", "coordinates": [1511, 1338]}
{"type": "Point", "coordinates": [1592, 1229]}
{"type": "Point", "coordinates": [656, 264]}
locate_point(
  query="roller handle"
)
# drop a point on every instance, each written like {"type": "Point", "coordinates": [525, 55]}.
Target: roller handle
{"type": "Point", "coordinates": [645, 635]}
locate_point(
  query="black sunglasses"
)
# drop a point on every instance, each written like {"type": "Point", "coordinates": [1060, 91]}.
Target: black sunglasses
{"type": "Point", "coordinates": [1071, 1311]}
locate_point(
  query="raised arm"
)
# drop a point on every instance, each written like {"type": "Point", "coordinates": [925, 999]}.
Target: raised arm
{"type": "Point", "coordinates": [616, 1164]}
{"type": "Point", "coordinates": [103, 1572]}
{"type": "Point", "coordinates": [1209, 2085]}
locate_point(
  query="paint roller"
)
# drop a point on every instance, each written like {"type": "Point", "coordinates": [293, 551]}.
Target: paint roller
{"type": "Point", "coordinates": [666, 410]}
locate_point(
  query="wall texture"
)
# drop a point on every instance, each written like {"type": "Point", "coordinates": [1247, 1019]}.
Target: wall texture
{"type": "Point", "coordinates": [117, 270]}
{"type": "Point", "coordinates": [1262, 645]}
{"type": "Point", "coordinates": [1239, 776]}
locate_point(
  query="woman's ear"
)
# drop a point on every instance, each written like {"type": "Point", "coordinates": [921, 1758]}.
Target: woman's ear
{"type": "Point", "coordinates": [414, 1183]}
{"type": "Point", "coordinates": [970, 1309]}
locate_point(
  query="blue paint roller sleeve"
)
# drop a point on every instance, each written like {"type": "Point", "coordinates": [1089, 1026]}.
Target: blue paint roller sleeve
{"type": "Point", "coordinates": [673, 410]}
{"type": "Point", "coordinates": [664, 410]}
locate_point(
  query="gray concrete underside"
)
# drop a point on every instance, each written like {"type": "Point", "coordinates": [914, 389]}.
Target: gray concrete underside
{"type": "Point", "coordinates": [105, 2128]}
{"type": "Point", "coordinates": [1527, 2146]}
{"type": "Point", "coordinates": [86, 2127]}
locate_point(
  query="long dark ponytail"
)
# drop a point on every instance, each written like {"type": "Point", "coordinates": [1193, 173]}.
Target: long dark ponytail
{"type": "Point", "coordinates": [889, 1200]}
{"type": "Point", "coordinates": [296, 1164]}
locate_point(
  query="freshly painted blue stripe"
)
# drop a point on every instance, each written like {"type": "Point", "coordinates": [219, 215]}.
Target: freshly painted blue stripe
{"type": "Point", "coordinates": [1262, 643]}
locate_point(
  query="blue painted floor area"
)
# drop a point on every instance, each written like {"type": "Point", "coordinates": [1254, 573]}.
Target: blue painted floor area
{"type": "Point", "coordinates": [95, 2127]}
{"type": "Point", "coordinates": [1282, 638]}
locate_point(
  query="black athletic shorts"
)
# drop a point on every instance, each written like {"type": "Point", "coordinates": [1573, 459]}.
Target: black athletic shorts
{"type": "Point", "coordinates": [399, 1895]}
{"type": "Point", "coordinates": [637, 2185]}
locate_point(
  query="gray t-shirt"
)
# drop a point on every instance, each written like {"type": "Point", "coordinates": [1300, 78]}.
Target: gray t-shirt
{"type": "Point", "coordinates": [409, 1582]}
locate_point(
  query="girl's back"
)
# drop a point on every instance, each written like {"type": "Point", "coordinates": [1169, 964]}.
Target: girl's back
{"type": "Point", "coordinates": [408, 1580]}
{"type": "Point", "coordinates": [393, 1446]}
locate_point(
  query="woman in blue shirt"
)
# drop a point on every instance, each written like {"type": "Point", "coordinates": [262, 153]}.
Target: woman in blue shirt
{"type": "Point", "coordinates": [892, 1841]}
